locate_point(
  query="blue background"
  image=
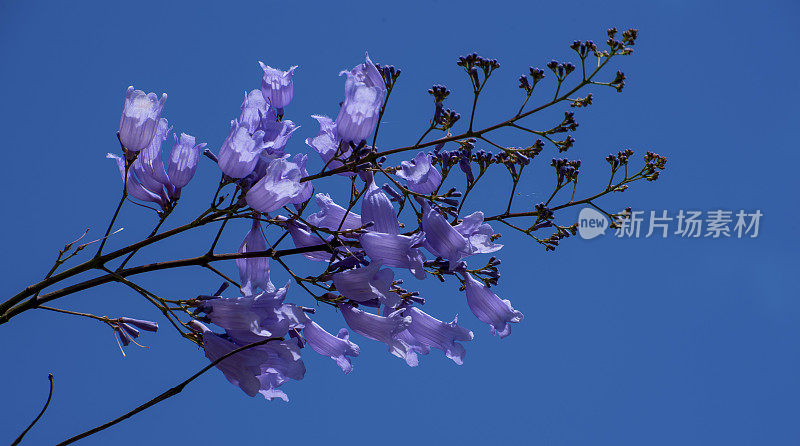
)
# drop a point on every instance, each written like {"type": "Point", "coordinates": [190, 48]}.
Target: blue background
{"type": "Point", "coordinates": [624, 342]}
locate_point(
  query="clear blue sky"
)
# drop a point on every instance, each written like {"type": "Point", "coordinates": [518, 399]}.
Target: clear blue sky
{"type": "Point", "coordinates": [624, 342]}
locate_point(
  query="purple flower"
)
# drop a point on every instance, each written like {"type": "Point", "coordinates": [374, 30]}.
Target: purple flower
{"type": "Point", "coordinates": [381, 329]}
{"type": "Point", "coordinates": [302, 237]}
{"type": "Point", "coordinates": [336, 347]}
{"type": "Point", "coordinates": [139, 121]}
{"type": "Point", "coordinates": [276, 86]}
{"type": "Point", "coordinates": [332, 216]}
{"type": "Point", "coordinates": [254, 271]}
{"type": "Point", "coordinates": [327, 143]}
{"type": "Point", "coordinates": [133, 186]}
{"type": "Point", "coordinates": [183, 160]}
{"type": "Point", "coordinates": [240, 151]}
{"type": "Point", "coordinates": [432, 332]}
{"type": "Point", "coordinates": [364, 92]}
{"type": "Point", "coordinates": [364, 284]}
{"type": "Point", "coordinates": [377, 208]}
{"type": "Point", "coordinates": [254, 108]}
{"type": "Point", "coordinates": [246, 318]}
{"type": "Point", "coordinates": [241, 369]}
{"type": "Point", "coordinates": [478, 233]}
{"type": "Point", "coordinates": [421, 177]}
{"type": "Point", "coordinates": [152, 173]}
{"type": "Point", "coordinates": [279, 186]}
{"type": "Point", "coordinates": [276, 133]}
{"type": "Point", "coordinates": [138, 323]}
{"type": "Point", "coordinates": [306, 188]}
{"type": "Point", "coordinates": [489, 308]}
{"type": "Point", "coordinates": [396, 250]}
{"type": "Point", "coordinates": [441, 239]}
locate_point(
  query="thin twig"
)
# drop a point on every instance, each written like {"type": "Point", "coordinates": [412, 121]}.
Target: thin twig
{"type": "Point", "coordinates": [47, 403]}
{"type": "Point", "coordinates": [167, 394]}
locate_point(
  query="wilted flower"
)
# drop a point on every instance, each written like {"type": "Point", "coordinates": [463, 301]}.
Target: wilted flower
{"type": "Point", "coordinates": [276, 86]}
{"type": "Point", "coordinates": [140, 115]}
{"type": "Point", "coordinates": [364, 92]}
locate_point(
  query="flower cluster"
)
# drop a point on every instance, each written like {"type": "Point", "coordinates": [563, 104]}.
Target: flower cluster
{"type": "Point", "coordinates": [362, 247]}
{"type": "Point", "coordinates": [371, 243]}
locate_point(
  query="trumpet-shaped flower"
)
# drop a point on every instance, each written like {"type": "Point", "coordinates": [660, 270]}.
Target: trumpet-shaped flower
{"type": "Point", "coordinates": [183, 160]}
{"type": "Point", "coordinates": [377, 208]}
{"type": "Point", "coordinates": [441, 239]}
{"type": "Point", "coordinates": [140, 115]}
{"type": "Point", "coordinates": [254, 271]}
{"type": "Point", "coordinates": [396, 250]}
{"type": "Point", "coordinates": [364, 284]}
{"type": "Point", "coordinates": [364, 92]}
{"type": "Point", "coordinates": [421, 177]}
{"type": "Point", "coordinates": [432, 332]}
{"type": "Point", "coordinates": [277, 86]}
{"type": "Point", "coordinates": [381, 329]}
{"type": "Point", "coordinates": [337, 347]}
{"type": "Point", "coordinates": [489, 308]}
{"type": "Point", "coordinates": [332, 216]}
{"type": "Point", "coordinates": [241, 150]}
{"type": "Point", "coordinates": [478, 233]}
{"type": "Point", "coordinates": [279, 186]}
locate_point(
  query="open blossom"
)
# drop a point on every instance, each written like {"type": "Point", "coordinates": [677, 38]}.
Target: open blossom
{"type": "Point", "coordinates": [364, 92]}
{"type": "Point", "coordinates": [277, 86]}
{"type": "Point", "coordinates": [337, 347]}
{"type": "Point", "coordinates": [332, 216]}
{"type": "Point", "coordinates": [431, 332]}
{"type": "Point", "coordinates": [441, 239]}
{"type": "Point", "coordinates": [396, 250]}
{"type": "Point", "coordinates": [241, 150]}
{"type": "Point", "coordinates": [478, 233]}
{"type": "Point", "coordinates": [256, 370]}
{"type": "Point", "coordinates": [364, 284]}
{"type": "Point", "coordinates": [489, 308]}
{"type": "Point", "coordinates": [421, 177]}
{"type": "Point", "coordinates": [140, 115]}
{"type": "Point", "coordinates": [382, 329]}
{"type": "Point", "coordinates": [280, 185]}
